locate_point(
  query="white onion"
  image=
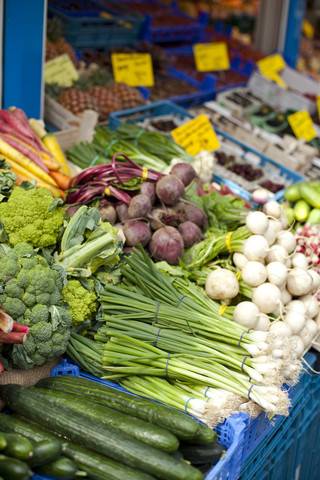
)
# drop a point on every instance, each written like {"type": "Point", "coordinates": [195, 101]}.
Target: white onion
{"type": "Point", "coordinates": [296, 321]}
{"type": "Point", "coordinates": [267, 297]}
{"type": "Point", "coordinates": [255, 247]}
{"type": "Point", "coordinates": [312, 327]}
{"type": "Point", "coordinates": [315, 280]}
{"type": "Point", "coordinates": [273, 209]}
{"type": "Point", "coordinates": [286, 297]}
{"type": "Point", "coordinates": [239, 260]}
{"type": "Point", "coordinates": [254, 273]}
{"type": "Point", "coordinates": [312, 305]}
{"type": "Point", "coordinates": [296, 306]}
{"type": "Point", "coordinates": [263, 323]}
{"type": "Point", "coordinates": [305, 337]}
{"type": "Point", "coordinates": [276, 225]}
{"type": "Point", "coordinates": [277, 253]}
{"type": "Point", "coordinates": [257, 222]}
{"type": "Point", "coordinates": [277, 273]}
{"type": "Point", "coordinates": [270, 235]}
{"type": "Point", "coordinates": [281, 328]}
{"type": "Point", "coordinates": [287, 240]}
{"type": "Point", "coordinates": [299, 345]}
{"type": "Point", "coordinates": [299, 260]}
{"type": "Point", "coordinates": [299, 282]}
{"type": "Point", "coordinates": [246, 314]}
{"type": "Point", "coordinates": [222, 284]}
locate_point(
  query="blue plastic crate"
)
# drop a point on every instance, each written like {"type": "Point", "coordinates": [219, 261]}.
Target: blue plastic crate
{"type": "Point", "coordinates": [274, 452]}
{"type": "Point", "coordinates": [230, 432]}
{"type": "Point", "coordinates": [85, 29]}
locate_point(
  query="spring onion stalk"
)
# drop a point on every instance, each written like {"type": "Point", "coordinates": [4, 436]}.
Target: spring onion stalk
{"type": "Point", "coordinates": [173, 341]}
{"type": "Point", "coordinates": [87, 353]}
{"type": "Point", "coordinates": [207, 250]}
{"type": "Point", "coordinates": [205, 409]}
{"type": "Point", "coordinates": [124, 357]}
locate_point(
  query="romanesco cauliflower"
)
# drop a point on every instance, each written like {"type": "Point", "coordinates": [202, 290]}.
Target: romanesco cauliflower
{"type": "Point", "coordinates": [30, 292]}
{"type": "Point", "coordinates": [26, 217]}
{"type": "Point", "coordinates": [82, 302]}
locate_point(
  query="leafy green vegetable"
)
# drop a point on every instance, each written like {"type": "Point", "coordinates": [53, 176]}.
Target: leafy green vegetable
{"type": "Point", "coordinates": [87, 244]}
{"type": "Point", "coordinates": [7, 179]}
{"type": "Point", "coordinates": [82, 301]}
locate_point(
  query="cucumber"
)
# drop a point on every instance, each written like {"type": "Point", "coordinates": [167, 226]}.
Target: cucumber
{"type": "Point", "coordinates": [61, 468]}
{"type": "Point", "coordinates": [314, 217]}
{"type": "Point", "coordinates": [18, 446]}
{"type": "Point", "coordinates": [292, 193]}
{"type": "Point", "coordinates": [301, 210]}
{"type": "Point", "coordinates": [134, 427]}
{"type": "Point", "coordinates": [199, 454]}
{"type": "Point", "coordinates": [44, 452]}
{"type": "Point", "coordinates": [3, 441]}
{"type": "Point", "coordinates": [91, 434]}
{"type": "Point", "coordinates": [178, 423]}
{"type": "Point", "coordinates": [13, 469]}
{"type": "Point", "coordinates": [310, 194]}
{"type": "Point", "coordinates": [83, 458]}
{"type": "Point", "coordinates": [205, 435]}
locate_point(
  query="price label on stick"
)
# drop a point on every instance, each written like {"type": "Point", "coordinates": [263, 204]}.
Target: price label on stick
{"type": "Point", "coordinates": [60, 70]}
{"type": "Point", "coordinates": [210, 57]}
{"type": "Point", "coordinates": [196, 135]}
{"type": "Point", "coordinates": [302, 125]}
{"type": "Point", "coordinates": [270, 67]}
{"type": "Point", "coordinates": [307, 29]}
{"type": "Point", "coordinates": [135, 69]}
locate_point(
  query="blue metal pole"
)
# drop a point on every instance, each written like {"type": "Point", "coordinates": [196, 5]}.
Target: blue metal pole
{"type": "Point", "coordinates": [296, 15]}
{"type": "Point", "coordinates": [23, 42]}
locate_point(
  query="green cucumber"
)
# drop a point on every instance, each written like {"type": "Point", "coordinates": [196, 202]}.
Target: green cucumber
{"type": "Point", "coordinates": [292, 193]}
{"type": "Point", "coordinates": [3, 441]}
{"type": "Point", "coordinates": [18, 446]}
{"type": "Point", "coordinates": [198, 454]}
{"type": "Point", "coordinates": [85, 459]}
{"type": "Point", "coordinates": [61, 468]}
{"type": "Point", "coordinates": [91, 434]}
{"type": "Point", "coordinates": [314, 217]}
{"type": "Point", "coordinates": [45, 451]}
{"type": "Point", "coordinates": [134, 427]}
{"type": "Point", "coordinates": [310, 194]}
{"type": "Point", "coordinates": [301, 210]}
{"type": "Point", "coordinates": [205, 435]}
{"type": "Point", "coordinates": [13, 469]}
{"type": "Point", "coordinates": [178, 423]}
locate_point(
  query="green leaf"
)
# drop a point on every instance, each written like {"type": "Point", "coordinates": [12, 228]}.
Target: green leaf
{"type": "Point", "coordinates": [3, 234]}
{"type": "Point", "coordinates": [28, 185]}
{"type": "Point", "coordinates": [55, 203]}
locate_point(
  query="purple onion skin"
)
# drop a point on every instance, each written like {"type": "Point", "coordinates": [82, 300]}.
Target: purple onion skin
{"type": "Point", "coordinates": [122, 212]}
{"type": "Point", "coordinates": [136, 232]}
{"type": "Point", "coordinates": [72, 210]}
{"type": "Point", "coordinates": [185, 172]}
{"type": "Point", "coordinates": [166, 244]}
{"type": "Point", "coordinates": [190, 233]}
{"type": "Point", "coordinates": [149, 189]}
{"type": "Point", "coordinates": [195, 215]}
{"type": "Point", "coordinates": [140, 206]}
{"type": "Point", "coordinates": [169, 189]}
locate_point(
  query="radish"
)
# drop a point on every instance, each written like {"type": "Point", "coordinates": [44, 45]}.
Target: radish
{"type": "Point", "coordinates": [255, 247]}
{"type": "Point", "coordinates": [273, 209]}
{"type": "Point", "coordinates": [222, 284]}
{"type": "Point", "coordinates": [257, 222]}
{"type": "Point", "coordinates": [287, 240]}
{"type": "Point", "coordinates": [169, 189]}
{"type": "Point", "coordinates": [296, 320]}
{"type": "Point", "coordinates": [299, 260]}
{"type": "Point", "coordinates": [270, 235]}
{"type": "Point", "coordinates": [184, 171]}
{"type": "Point", "coordinates": [306, 337]}
{"type": "Point", "coordinates": [281, 328]}
{"type": "Point", "coordinates": [140, 206]}
{"type": "Point", "coordinates": [298, 345]}
{"type": "Point", "coordinates": [284, 222]}
{"type": "Point", "coordinates": [263, 323]}
{"type": "Point", "coordinates": [239, 260]}
{"type": "Point", "coordinates": [286, 297]}
{"type": "Point", "coordinates": [277, 253]}
{"type": "Point", "coordinates": [254, 273]}
{"type": "Point", "coordinates": [315, 280]}
{"type": "Point", "coordinates": [312, 327]}
{"type": "Point", "coordinates": [296, 306]}
{"type": "Point", "coordinates": [299, 282]}
{"type": "Point", "coordinates": [277, 273]}
{"type": "Point", "coordinates": [275, 224]}
{"type": "Point", "coordinates": [166, 244]}
{"type": "Point", "coordinates": [267, 297]}
{"type": "Point", "coordinates": [311, 304]}
{"type": "Point", "coordinates": [246, 314]}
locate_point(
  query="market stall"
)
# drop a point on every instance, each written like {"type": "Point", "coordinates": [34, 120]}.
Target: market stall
{"type": "Point", "coordinates": [159, 254]}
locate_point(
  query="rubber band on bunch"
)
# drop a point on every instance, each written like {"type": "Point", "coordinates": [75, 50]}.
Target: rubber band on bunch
{"type": "Point", "coordinates": [144, 173]}
{"type": "Point", "coordinates": [228, 242]}
{"type": "Point", "coordinates": [136, 140]}
{"type": "Point", "coordinates": [222, 309]}
{"type": "Point", "coordinates": [155, 343]}
{"type": "Point", "coordinates": [107, 191]}
{"type": "Point", "coordinates": [184, 296]}
{"type": "Point", "coordinates": [250, 391]}
{"type": "Point", "coordinates": [243, 362]}
{"type": "Point", "coordinates": [240, 339]}
{"type": "Point", "coordinates": [94, 160]}
{"type": "Point", "coordinates": [186, 404]}
{"type": "Point", "coordinates": [107, 150]}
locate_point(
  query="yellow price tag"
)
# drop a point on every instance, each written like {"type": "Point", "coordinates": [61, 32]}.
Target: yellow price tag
{"type": "Point", "coordinates": [307, 29]}
{"type": "Point", "coordinates": [196, 135]}
{"type": "Point", "coordinates": [270, 66]}
{"type": "Point", "coordinates": [60, 70]}
{"type": "Point", "coordinates": [302, 125]}
{"type": "Point", "coordinates": [135, 69]}
{"type": "Point", "coordinates": [210, 57]}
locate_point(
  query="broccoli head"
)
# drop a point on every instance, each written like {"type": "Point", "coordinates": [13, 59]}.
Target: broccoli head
{"type": "Point", "coordinates": [31, 294]}
{"type": "Point", "coordinates": [82, 301]}
{"type": "Point", "coordinates": [27, 217]}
